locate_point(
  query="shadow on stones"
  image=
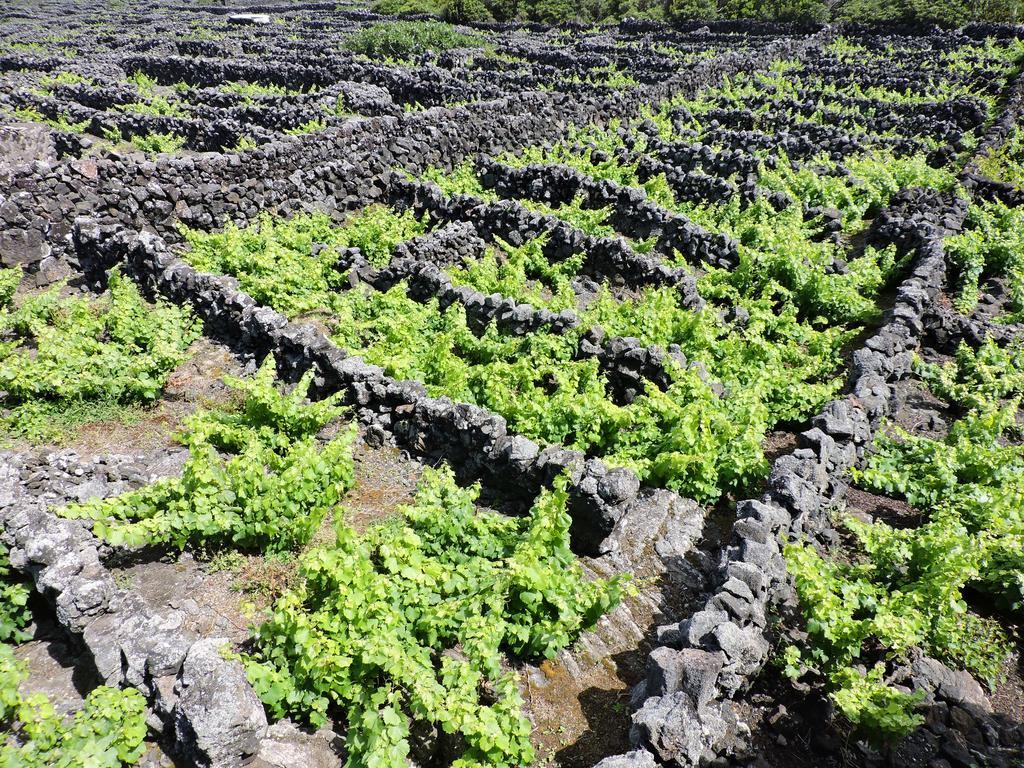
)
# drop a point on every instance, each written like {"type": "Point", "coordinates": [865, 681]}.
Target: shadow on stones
{"type": "Point", "coordinates": [65, 649]}
{"type": "Point", "coordinates": [607, 711]}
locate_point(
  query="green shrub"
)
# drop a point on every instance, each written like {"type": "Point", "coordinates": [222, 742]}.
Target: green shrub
{"type": "Point", "coordinates": [409, 7]}
{"type": "Point", "coordinates": [64, 124]}
{"type": "Point", "coordinates": [274, 259]}
{"type": "Point", "coordinates": [10, 279]}
{"type": "Point", "coordinates": [145, 84]}
{"type": "Point", "coordinates": [522, 273]}
{"type": "Point", "coordinates": [155, 106]}
{"type": "Point", "coordinates": [990, 244]}
{"type": "Point", "coordinates": [62, 78]}
{"type": "Point", "coordinates": [976, 379]}
{"type": "Point", "coordinates": [1005, 163]}
{"type": "Point", "coordinates": [404, 40]}
{"type": "Point", "coordinates": [251, 91]}
{"type": "Point", "coordinates": [61, 123]}
{"type": "Point", "coordinates": [310, 126]}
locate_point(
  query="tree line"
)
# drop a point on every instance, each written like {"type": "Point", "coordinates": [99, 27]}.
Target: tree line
{"type": "Point", "coordinates": [948, 12]}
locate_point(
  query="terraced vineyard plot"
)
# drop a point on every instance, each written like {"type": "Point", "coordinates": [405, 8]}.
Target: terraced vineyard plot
{"type": "Point", "coordinates": [627, 396]}
{"type": "Point", "coordinates": [69, 360]}
{"type": "Point", "coordinates": [912, 585]}
{"type": "Point", "coordinates": [548, 387]}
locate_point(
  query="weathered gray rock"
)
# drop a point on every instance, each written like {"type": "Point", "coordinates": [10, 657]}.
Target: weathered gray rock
{"type": "Point", "coordinates": [689, 670]}
{"type": "Point", "coordinates": [769, 513]}
{"type": "Point", "coordinates": [22, 144]}
{"type": "Point", "coordinates": [742, 646]}
{"type": "Point", "coordinates": [842, 421]}
{"type": "Point", "coordinates": [746, 649]}
{"type": "Point", "coordinates": [618, 485]}
{"type": "Point", "coordinates": [659, 517]}
{"type": "Point", "coordinates": [956, 686]}
{"type": "Point", "coordinates": [676, 731]}
{"type": "Point", "coordinates": [211, 734]}
{"type": "Point", "coordinates": [151, 646]}
{"type": "Point", "coordinates": [287, 746]}
{"type": "Point", "coordinates": [638, 758]}
{"type": "Point", "coordinates": [702, 625]}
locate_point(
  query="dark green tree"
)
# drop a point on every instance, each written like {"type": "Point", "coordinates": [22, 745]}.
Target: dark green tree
{"type": "Point", "coordinates": [796, 10]}
{"type": "Point", "coordinates": [691, 9]}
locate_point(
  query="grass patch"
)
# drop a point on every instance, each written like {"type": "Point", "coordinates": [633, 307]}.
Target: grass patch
{"type": "Point", "coordinates": [59, 423]}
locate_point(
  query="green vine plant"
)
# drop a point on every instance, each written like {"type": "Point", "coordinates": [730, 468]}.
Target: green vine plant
{"type": "Point", "coordinates": [10, 279]}
{"type": "Point", "coordinates": [155, 106]}
{"type": "Point", "coordinates": [107, 732]}
{"type": "Point", "coordinates": [60, 123]}
{"type": "Point", "coordinates": [463, 180]}
{"type": "Point", "coordinates": [408, 624]}
{"type": "Point", "coordinates": [312, 125]}
{"type": "Point", "coordinates": [1005, 163]}
{"type": "Point", "coordinates": [975, 380]}
{"type": "Point", "coordinates": [145, 84]}
{"type": "Point", "coordinates": [400, 41]}
{"type": "Point", "coordinates": [158, 143]}
{"type": "Point", "coordinates": [251, 92]}
{"type": "Point", "coordinates": [775, 247]}
{"type": "Point", "coordinates": [523, 273]}
{"type": "Point", "coordinates": [14, 613]}
{"type": "Point", "coordinates": [954, 74]}
{"type": "Point", "coordinates": [905, 587]}
{"type": "Point", "coordinates": [65, 360]}
{"type": "Point", "coordinates": [274, 259]}
{"type": "Point", "coordinates": [990, 245]}
{"type": "Point", "coordinates": [780, 252]}
{"type": "Point", "coordinates": [257, 479]}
